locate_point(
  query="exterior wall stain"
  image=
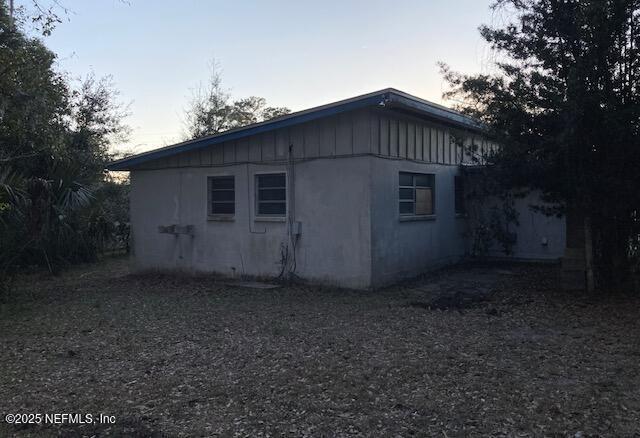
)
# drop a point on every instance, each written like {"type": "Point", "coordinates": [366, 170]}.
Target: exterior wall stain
{"type": "Point", "coordinates": [346, 199]}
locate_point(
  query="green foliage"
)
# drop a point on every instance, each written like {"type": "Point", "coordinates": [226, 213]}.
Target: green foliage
{"type": "Point", "coordinates": [57, 205]}
{"type": "Point", "coordinates": [565, 105]}
{"type": "Point", "coordinates": [212, 111]}
{"type": "Point", "coordinates": [490, 210]}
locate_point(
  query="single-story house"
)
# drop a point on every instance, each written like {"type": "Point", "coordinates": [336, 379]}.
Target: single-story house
{"type": "Point", "coordinates": [358, 193]}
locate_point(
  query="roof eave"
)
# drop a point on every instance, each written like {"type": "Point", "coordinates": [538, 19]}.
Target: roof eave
{"type": "Point", "coordinates": [258, 128]}
{"type": "Point", "coordinates": [388, 98]}
{"type": "Point", "coordinates": [435, 112]}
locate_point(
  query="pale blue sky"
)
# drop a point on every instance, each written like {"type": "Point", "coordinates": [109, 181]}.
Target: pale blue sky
{"type": "Point", "coordinates": [294, 53]}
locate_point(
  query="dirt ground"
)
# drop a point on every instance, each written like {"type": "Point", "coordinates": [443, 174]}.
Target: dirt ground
{"type": "Point", "coordinates": [467, 351]}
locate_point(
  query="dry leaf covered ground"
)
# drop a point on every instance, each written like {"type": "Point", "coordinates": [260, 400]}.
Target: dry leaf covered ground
{"type": "Point", "coordinates": [176, 356]}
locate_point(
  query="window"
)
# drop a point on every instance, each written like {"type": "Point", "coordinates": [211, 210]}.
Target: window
{"type": "Point", "coordinates": [271, 194]}
{"type": "Point", "coordinates": [416, 194]}
{"type": "Point", "coordinates": [458, 183]}
{"type": "Point", "coordinates": [222, 195]}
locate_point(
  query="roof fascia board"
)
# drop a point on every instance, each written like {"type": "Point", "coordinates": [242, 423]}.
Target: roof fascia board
{"type": "Point", "coordinates": [434, 111]}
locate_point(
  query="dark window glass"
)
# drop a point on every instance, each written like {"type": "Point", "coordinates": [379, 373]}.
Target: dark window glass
{"type": "Point", "coordinates": [416, 194]}
{"type": "Point", "coordinates": [406, 179]}
{"type": "Point", "coordinates": [271, 194]}
{"type": "Point", "coordinates": [406, 208]}
{"type": "Point", "coordinates": [224, 208]}
{"type": "Point", "coordinates": [406, 194]}
{"type": "Point", "coordinates": [423, 180]}
{"type": "Point", "coordinates": [274, 180]}
{"type": "Point", "coordinates": [222, 182]}
{"type": "Point", "coordinates": [272, 208]}
{"type": "Point", "coordinates": [222, 195]}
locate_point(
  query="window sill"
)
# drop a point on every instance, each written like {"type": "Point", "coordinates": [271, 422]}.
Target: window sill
{"type": "Point", "coordinates": [270, 219]}
{"type": "Point", "coordinates": [431, 217]}
{"type": "Point", "coordinates": [221, 218]}
{"type": "Point", "coordinates": [461, 215]}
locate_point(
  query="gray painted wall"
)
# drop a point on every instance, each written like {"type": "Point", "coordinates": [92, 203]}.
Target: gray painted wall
{"type": "Point", "coordinates": [405, 247]}
{"type": "Point", "coordinates": [332, 203]}
{"type": "Point", "coordinates": [539, 237]}
{"type": "Point", "coordinates": [346, 198]}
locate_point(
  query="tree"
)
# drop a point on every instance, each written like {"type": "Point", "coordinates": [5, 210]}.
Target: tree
{"type": "Point", "coordinates": [565, 105]}
{"type": "Point", "coordinates": [212, 111]}
{"type": "Point", "coordinates": [54, 141]}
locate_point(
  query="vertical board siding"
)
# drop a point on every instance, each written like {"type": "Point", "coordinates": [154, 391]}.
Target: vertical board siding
{"type": "Point", "coordinates": [242, 150]}
{"type": "Point", "coordinates": [344, 135]}
{"type": "Point", "coordinates": [268, 146]}
{"type": "Point", "coordinates": [360, 133]}
{"type": "Point", "coordinates": [419, 143]}
{"type": "Point", "coordinates": [217, 156]}
{"type": "Point", "coordinates": [229, 152]}
{"type": "Point", "coordinates": [411, 141]}
{"type": "Point", "coordinates": [447, 147]}
{"type": "Point", "coordinates": [194, 158]}
{"type": "Point", "coordinates": [205, 157]}
{"type": "Point", "coordinates": [255, 148]}
{"type": "Point", "coordinates": [402, 139]}
{"type": "Point", "coordinates": [327, 137]}
{"type": "Point", "coordinates": [393, 138]}
{"type": "Point", "coordinates": [311, 140]}
{"type": "Point", "coordinates": [296, 139]}
{"type": "Point", "coordinates": [374, 134]}
{"type": "Point", "coordinates": [282, 144]}
{"type": "Point", "coordinates": [352, 133]}
{"type": "Point", "coordinates": [385, 137]}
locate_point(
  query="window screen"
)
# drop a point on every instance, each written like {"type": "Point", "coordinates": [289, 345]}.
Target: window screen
{"type": "Point", "coordinates": [271, 194]}
{"type": "Point", "coordinates": [222, 196]}
{"type": "Point", "coordinates": [416, 194]}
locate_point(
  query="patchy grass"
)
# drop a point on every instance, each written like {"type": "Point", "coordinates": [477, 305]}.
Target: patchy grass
{"type": "Point", "coordinates": [180, 356]}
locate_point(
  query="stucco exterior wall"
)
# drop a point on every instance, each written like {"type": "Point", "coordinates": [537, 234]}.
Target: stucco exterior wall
{"type": "Point", "coordinates": [539, 237]}
{"type": "Point", "coordinates": [345, 190]}
{"type": "Point", "coordinates": [404, 247]}
{"type": "Point", "coordinates": [331, 201]}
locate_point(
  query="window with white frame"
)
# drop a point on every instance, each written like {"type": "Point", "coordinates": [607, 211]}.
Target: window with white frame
{"type": "Point", "coordinates": [416, 194]}
{"type": "Point", "coordinates": [271, 194]}
{"type": "Point", "coordinates": [222, 195]}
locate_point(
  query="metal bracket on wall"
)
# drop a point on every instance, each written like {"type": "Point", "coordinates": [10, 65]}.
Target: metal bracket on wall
{"type": "Point", "coordinates": [176, 229]}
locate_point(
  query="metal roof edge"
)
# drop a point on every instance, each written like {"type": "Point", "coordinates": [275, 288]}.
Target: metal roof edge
{"type": "Point", "coordinates": [434, 110]}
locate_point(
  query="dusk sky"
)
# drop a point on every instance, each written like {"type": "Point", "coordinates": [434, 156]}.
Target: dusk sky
{"type": "Point", "coordinates": [293, 53]}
